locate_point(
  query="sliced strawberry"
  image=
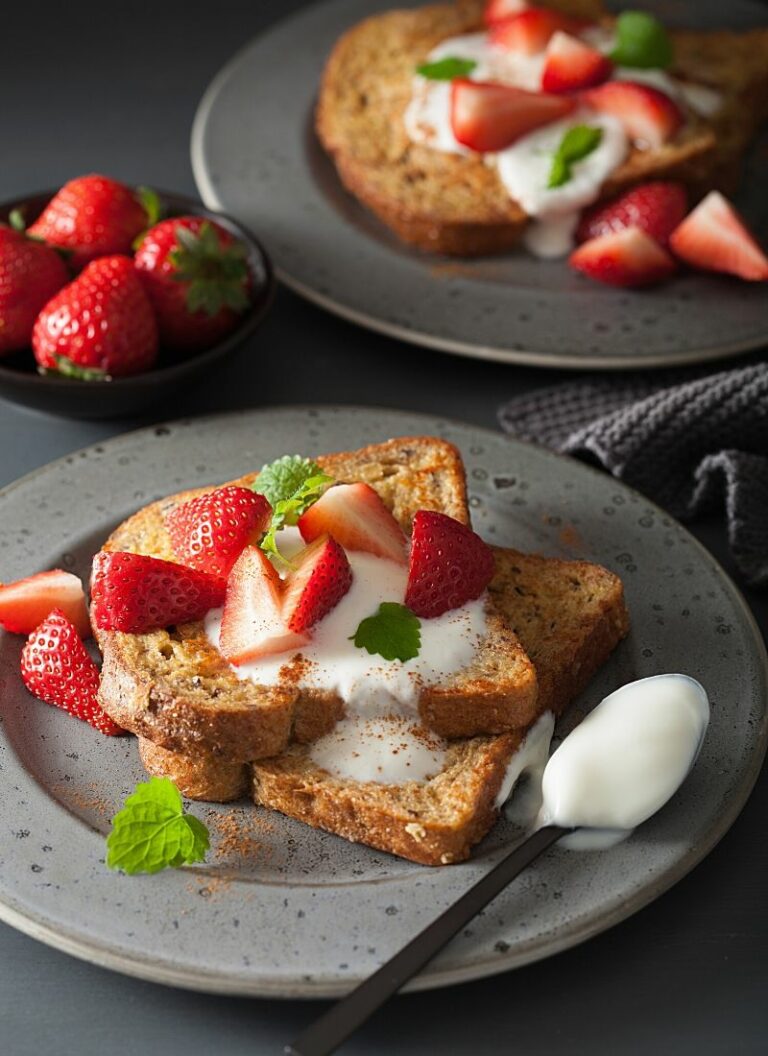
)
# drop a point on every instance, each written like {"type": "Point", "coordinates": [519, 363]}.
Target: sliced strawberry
{"type": "Point", "coordinates": [649, 116]}
{"type": "Point", "coordinates": [715, 237]}
{"type": "Point", "coordinates": [134, 593]}
{"type": "Point", "coordinates": [571, 64]}
{"type": "Point", "coordinates": [531, 30]}
{"type": "Point", "coordinates": [488, 117]}
{"type": "Point", "coordinates": [320, 580]}
{"type": "Point", "coordinates": [252, 624]}
{"type": "Point", "coordinates": [210, 532]}
{"type": "Point", "coordinates": [56, 668]}
{"type": "Point", "coordinates": [500, 10]}
{"type": "Point", "coordinates": [356, 517]}
{"type": "Point", "coordinates": [450, 565]}
{"type": "Point", "coordinates": [623, 258]}
{"type": "Point", "coordinates": [656, 208]}
{"type": "Point", "coordinates": [25, 603]}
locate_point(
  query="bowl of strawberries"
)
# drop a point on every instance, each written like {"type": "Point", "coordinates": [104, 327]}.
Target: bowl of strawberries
{"type": "Point", "coordinates": [113, 297]}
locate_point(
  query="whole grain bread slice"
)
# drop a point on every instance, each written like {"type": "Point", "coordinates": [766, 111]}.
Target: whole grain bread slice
{"type": "Point", "coordinates": [456, 204]}
{"type": "Point", "coordinates": [175, 689]}
{"type": "Point", "coordinates": [570, 615]}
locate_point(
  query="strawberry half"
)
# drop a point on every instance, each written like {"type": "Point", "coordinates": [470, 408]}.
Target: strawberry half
{"type": "Point", "coordinates": [649, 116]}
{"type": "Point", "coordinates": [496, 11]}
{"type": "Point", "coordinates": [26, 603]}
{"type": "Point", "coordinates": [714, 237]}
{"type": "Point", "coordinates": [531, 30]}
{"type": "Point", "coordinates": [571, 64]}
{"type": "Point", "coordinates": [320, 580]}
{"type": "Point", "coordinates": [488, 117]}
{"type": "Point", "coordinates": [210, 532]}
{"type": "Point", "coordinates": [253, 624]}
{"type": "Point", "coordinates": [356, 517]}
{"type": "Point", "coordinates": [134, 593]}
{"type": "Point", "coordinates": [450, 565]}
{"type": "Point", "coordinates": [623, 258]}
{"type": "Point", "coordinates": [56, 668]}
{"type": "Point", "coordinates": [656, 208]}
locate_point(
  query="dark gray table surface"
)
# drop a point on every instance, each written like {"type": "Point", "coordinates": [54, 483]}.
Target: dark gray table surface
{"type": "Point", "coordinates": [114, 88]}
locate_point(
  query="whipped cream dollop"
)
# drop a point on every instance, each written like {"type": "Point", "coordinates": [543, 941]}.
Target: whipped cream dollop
{"type": "Point", "coordinates": [625, 760]}
{"type": "Point", "coordinates": [368, 684]}
{"type": "Point", "coordinates": [524, 166]}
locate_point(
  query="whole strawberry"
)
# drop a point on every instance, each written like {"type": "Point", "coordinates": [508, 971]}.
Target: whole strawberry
{"type": "Point", "coordinates": [30, 274]}
{"type": "Point", "coordinates": [196, 275]}
{"type": "Point", "coordinates": [210, 532]}
{"type": "Point", "coordinates": [102, 324]}
{"type": "Point", "coordinates": [57, 668]}
{"type": "Point", "coordinates": [93, 216]}
{"type": "Point", "coordinates": [449, 566]}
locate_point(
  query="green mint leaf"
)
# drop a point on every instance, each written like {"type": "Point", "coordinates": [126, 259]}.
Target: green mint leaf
{"type": "Point", "coordinates": [641, 42]}
{"type": "Point", "coordinates": [393, 632]}
{"type": "Point", "coordinates": [282, 478]}
{"type": "Point", "coordinates": [446, 69]}
{"type": "Point", "coordinates": [576, 144]}
{"type": "Point", "coordinates": [152, 832]}
{"type": "Point", "coordinates": [287, 511]}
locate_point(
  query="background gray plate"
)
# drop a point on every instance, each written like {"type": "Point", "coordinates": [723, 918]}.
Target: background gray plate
{"type": "Point", "coordinates": [303, 913]}
{"type": "Point", "coordinates": [254, 155]}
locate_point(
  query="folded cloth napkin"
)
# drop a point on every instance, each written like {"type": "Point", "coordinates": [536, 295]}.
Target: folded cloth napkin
{"type": "Point", "coordinates": [690, 441]}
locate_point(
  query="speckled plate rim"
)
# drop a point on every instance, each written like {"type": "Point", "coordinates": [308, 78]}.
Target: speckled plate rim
{"type": "Point", "coordinates": [110, 956]}
{"type": "Point", "coordinates": [416, 336]}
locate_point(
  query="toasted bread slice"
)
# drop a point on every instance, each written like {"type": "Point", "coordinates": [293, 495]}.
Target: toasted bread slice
{"type": "Point", "coordinates": [570, 615]}
{"type": "Point", "coordinates": [456, 204]}
{"type": "Point", "coordinates": [174, 688]}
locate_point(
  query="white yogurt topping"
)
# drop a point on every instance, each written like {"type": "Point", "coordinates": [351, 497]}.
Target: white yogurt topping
{"type": "Point", "coordinates": [626, 759]}
{"type": "Point", "coordinates": [530, 758]}
{"type": "Point", "coordinates": [389, 750]}
{"type": "Point", "coordinates": [369, 685]}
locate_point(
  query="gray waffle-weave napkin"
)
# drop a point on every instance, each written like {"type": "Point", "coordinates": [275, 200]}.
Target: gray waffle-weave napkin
{"type": "Point", "coordinates": [688, 441]}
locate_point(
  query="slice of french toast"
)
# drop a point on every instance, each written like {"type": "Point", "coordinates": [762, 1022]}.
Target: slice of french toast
{"type": "Point", "coordinates": [175, 689]}
{"type": "Point", "coordinates": [456, 204]}
{"type": "Point", "coordinates": [569, 615]}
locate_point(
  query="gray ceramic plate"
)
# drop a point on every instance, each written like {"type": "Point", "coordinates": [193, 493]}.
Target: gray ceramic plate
{"type": "Point", "coordinates": [303, 913]}
{"type": "Point", "coordinates": [255, 156]}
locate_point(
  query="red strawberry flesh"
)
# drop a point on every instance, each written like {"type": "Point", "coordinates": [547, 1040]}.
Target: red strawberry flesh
{"type": "Point", "coordinates": [501, 10]}
{"type": "Point", "coordinates": [715, 237]}
{"type": "Point", "coordinates": [320, 580]}
{"type": "Point", "coordinates": [211, 531]}
{"type": "Point", "coordinates": [57, 668]}
{"type": "Point", "coordinates": [571, 64]}
{"type": "Point", "coordinates": [450, 565]}
{"type": "Point", "coordinates": [531, 30]}
{"type": "Point", "coordinates": [356, 517]}
{"type": "Point", "coordinates": [623, 258]}
{"type": "Point", "coordinates": [135, 594]}
{"type": "Point", "coordinates": [253, 624]}
{"type": "Point", "coordinates": [488, 117]}
{"type": "Point", "coordinates": [656, 208]}
{"type": "Point", "coordinates": [25, 603]}
{"type": "Point", "coordinates": [649, 116]}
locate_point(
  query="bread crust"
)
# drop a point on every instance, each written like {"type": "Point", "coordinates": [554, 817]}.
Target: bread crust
{"type": "Point", "coordinates": [455, 204]}
{"type": "Point", "coordinates": [174, 688]}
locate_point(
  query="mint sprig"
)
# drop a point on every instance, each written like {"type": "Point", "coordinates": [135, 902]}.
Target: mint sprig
{"type": "Point", "coordinates": [152, 832]}
{"type": "Point", "coordinates": [642, 42]}
{"type": "Point", "coordinates": [446, 69]}
{"type": "Point", "coordinates": [287, 511]}
{"type": "Point", "coordinates": [282, 478]}
{"type": "Point", "coordinates": [392, 632]}
{"type": "Point", "coordinates": [576, 144]}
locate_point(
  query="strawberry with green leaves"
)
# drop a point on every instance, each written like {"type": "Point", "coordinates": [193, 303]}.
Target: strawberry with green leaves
{"type": "Point", "coordinates": [95, 216]}
{"type": "Point", "coordinates": [101, 325]}
{"type": "Point", "coordinates": [30, 274]}
{"type": "Point", "coordinates": [196, 276]}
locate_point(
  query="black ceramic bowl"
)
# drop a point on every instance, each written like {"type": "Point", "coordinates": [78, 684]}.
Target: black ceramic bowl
{"type": "Point", "coordinates": [20, 382]}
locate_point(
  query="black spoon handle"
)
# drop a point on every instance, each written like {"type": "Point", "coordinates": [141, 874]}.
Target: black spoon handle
{"type": "Point", "coordinates": [332, 1028]}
